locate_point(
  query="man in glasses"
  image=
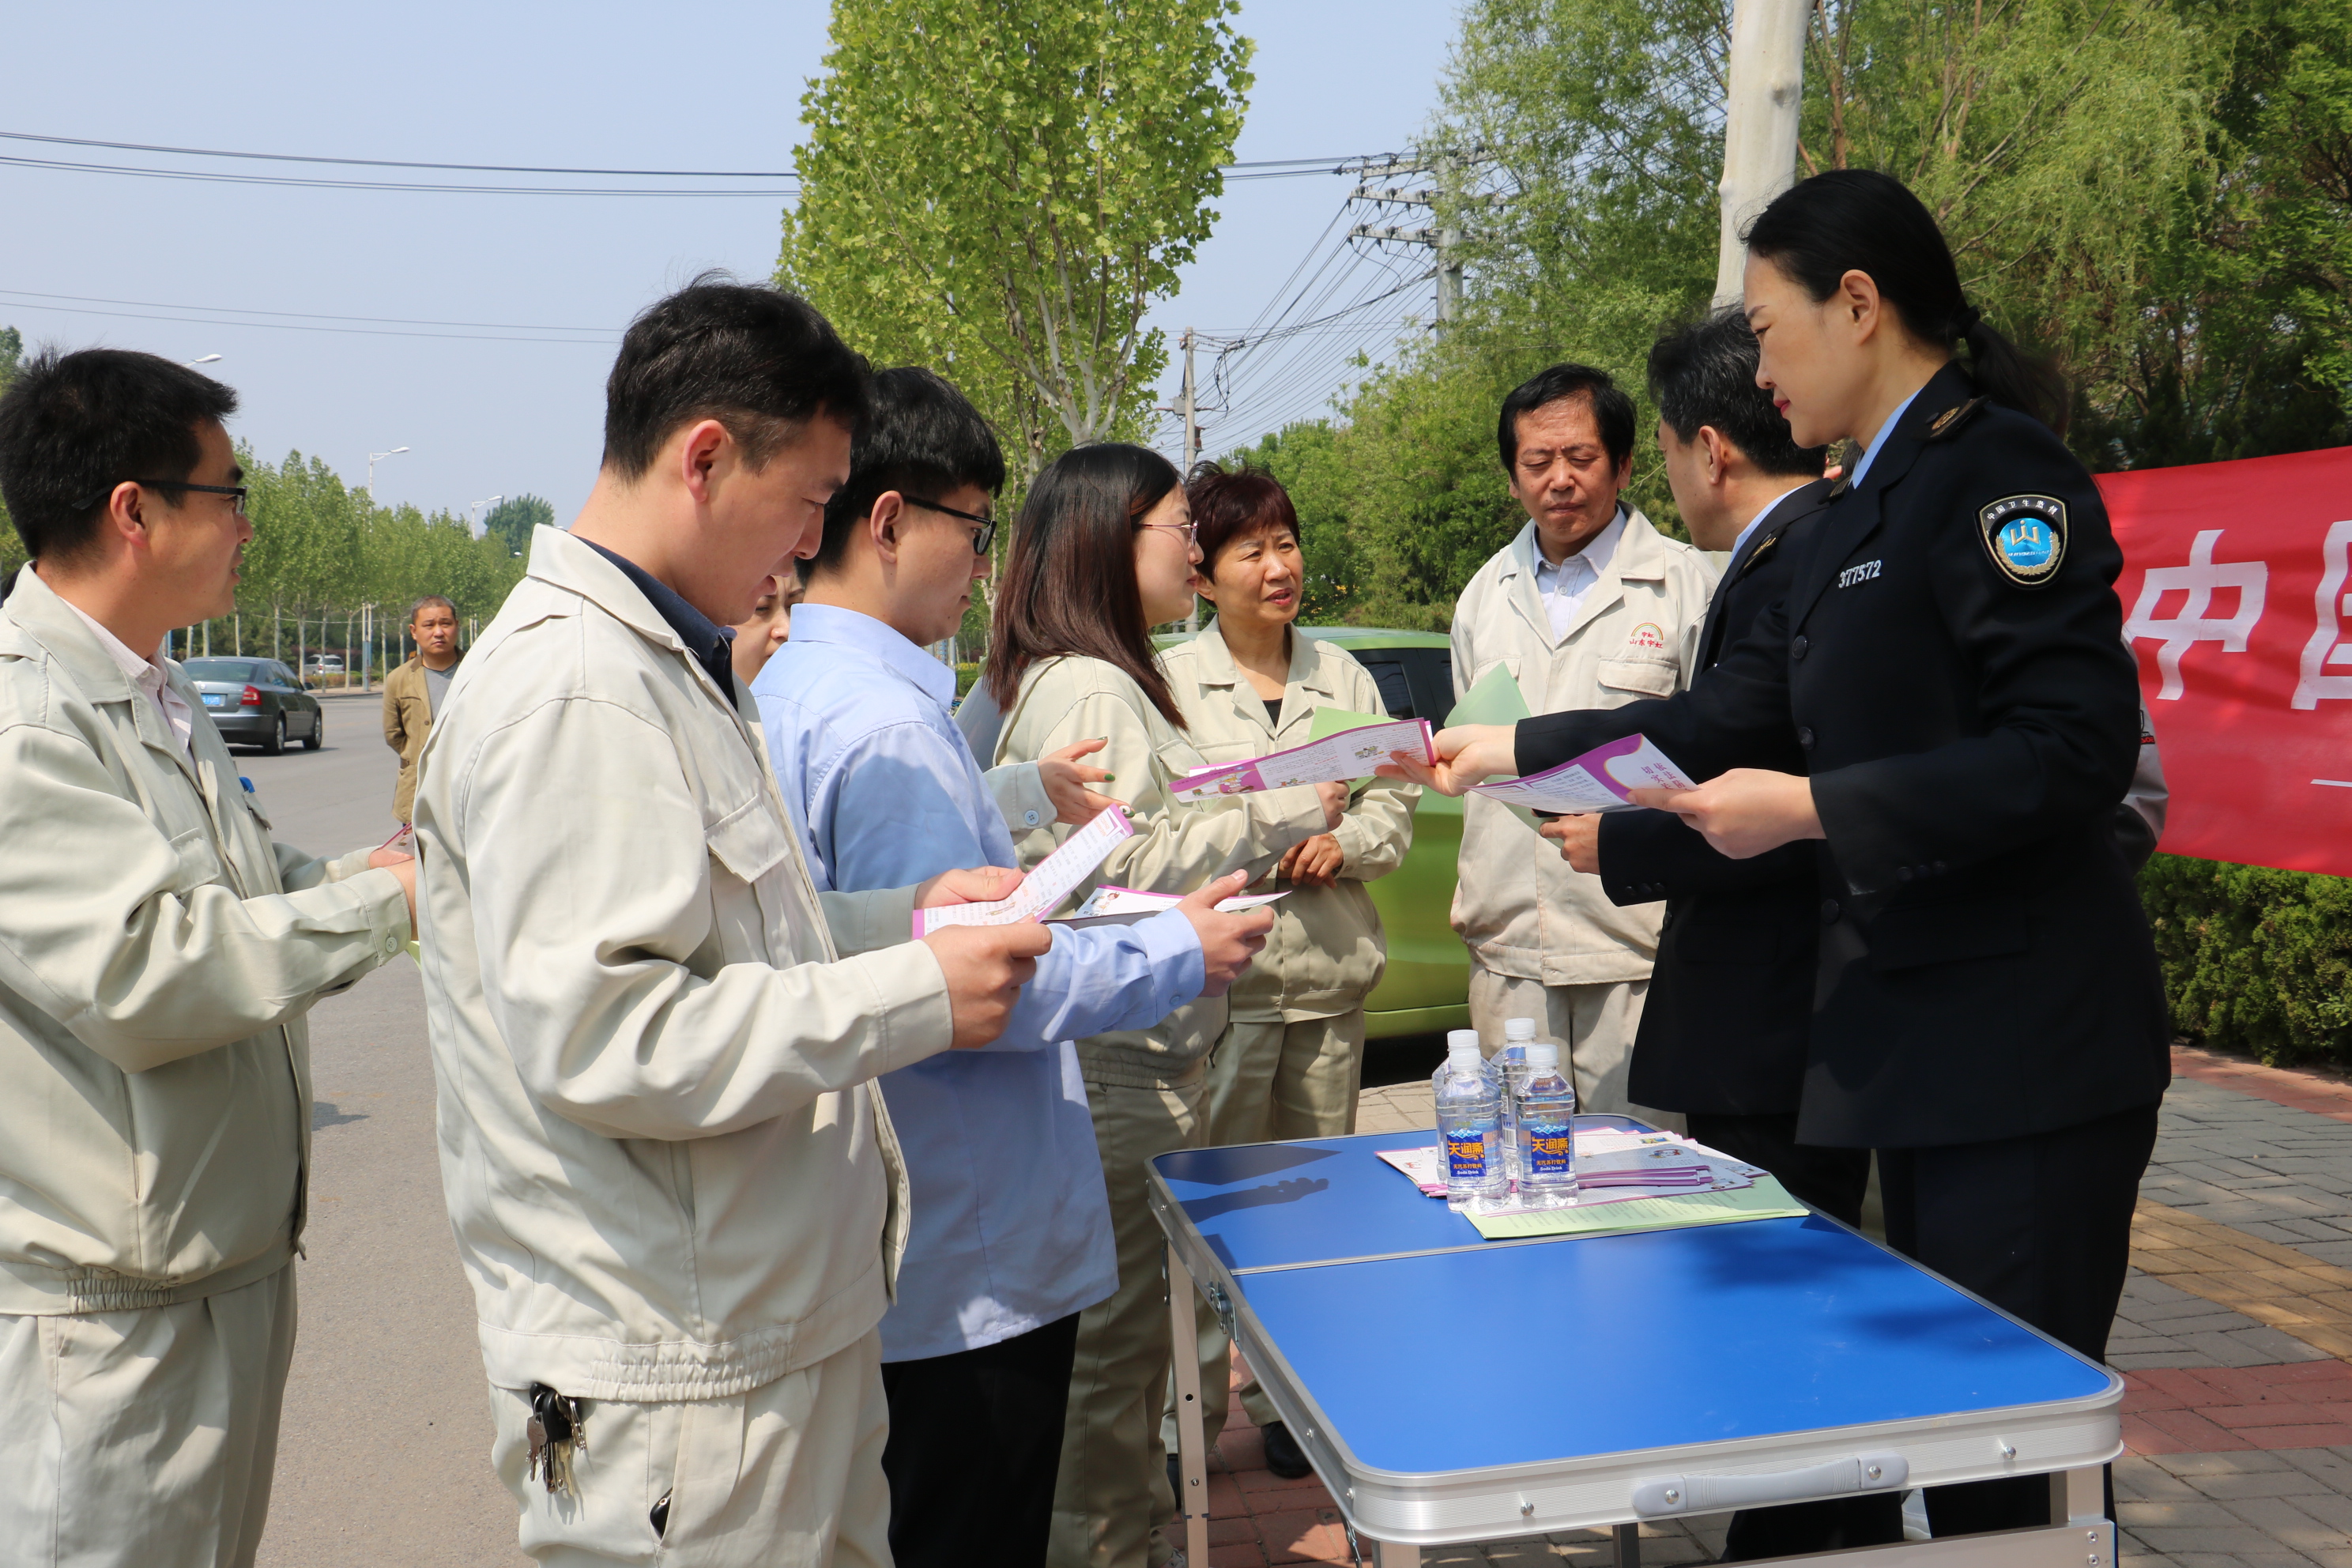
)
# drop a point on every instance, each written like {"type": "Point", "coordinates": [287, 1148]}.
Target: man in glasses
{"type": "Point", "coordinates": [159, 956]}
{"type": "Point", "coordinates": [1012, 1236]}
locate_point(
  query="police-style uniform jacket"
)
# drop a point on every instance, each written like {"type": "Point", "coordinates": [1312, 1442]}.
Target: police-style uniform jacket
{"type": "Point", "coordinates": [1950, 658]}
{"type": "Point", "coordinates": [1731, 1001]}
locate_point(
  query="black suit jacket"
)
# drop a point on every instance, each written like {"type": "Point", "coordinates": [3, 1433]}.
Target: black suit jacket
{"type": "Point", "coordinates": [1969, 716]}
{"type": "Point", "coordinates": [1731, 999]}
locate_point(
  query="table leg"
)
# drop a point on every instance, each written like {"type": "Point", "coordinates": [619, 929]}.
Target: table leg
{"type": "Point", "coordinates": [1192, 1459]}
{"type": "Point", "coordinates": [1391, 1554]}
{"type": "Point", "coordinates": [1629, 1546]}
{"type": "Point", "coordinates": [2078, 1495]}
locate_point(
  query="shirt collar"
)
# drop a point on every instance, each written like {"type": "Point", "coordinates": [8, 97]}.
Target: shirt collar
{"type": "Point", "coordinates": [147, 676]}
{"type": "Point", "coordinates": [705, 639]}
{"type": "Point", "coordinates": [1595, 555]}
{"type": "Point", "coordinates": [1862, 466]}
{"type": "Point", "coordinates": [1764, 511]}
{"type": "Point", "coordinates": [854, 629]}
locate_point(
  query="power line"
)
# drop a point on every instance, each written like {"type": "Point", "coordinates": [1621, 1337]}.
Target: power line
{"type": "Point", "coordinates": [210, 177]}
{"type": "Point", "coordinates": [304, 315]}
{"type": "Point", "coordinates": [308, 327]}
{"type": "Point", "coordinates": [405, 163]}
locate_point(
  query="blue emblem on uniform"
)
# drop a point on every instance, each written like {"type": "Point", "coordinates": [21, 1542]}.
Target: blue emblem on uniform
{"type": "Point", "coordinates": [2026, 537]}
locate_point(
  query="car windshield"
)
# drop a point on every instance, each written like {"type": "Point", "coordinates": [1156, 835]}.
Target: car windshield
{"type": "Point", "coordinates": [219, 668]}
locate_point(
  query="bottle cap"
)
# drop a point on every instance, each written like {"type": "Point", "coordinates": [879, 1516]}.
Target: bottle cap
{"type": "Point", "coordinates": [1458, 1039]}
{"type": "Point", "coordinates": [1544, 1053]}
{"type": "Point", "coordinates": [1518, 1028]}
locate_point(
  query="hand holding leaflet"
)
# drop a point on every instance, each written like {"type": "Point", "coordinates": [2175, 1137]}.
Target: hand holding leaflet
{"type": "Point", "coordinates": [1128, 905]}
{"type": "Point", "coordinates": [1602, 779]}
{"type": "Point", "coordinates": [1350, 754]}
{"type": "Point", "coordinates": [1045, 887]}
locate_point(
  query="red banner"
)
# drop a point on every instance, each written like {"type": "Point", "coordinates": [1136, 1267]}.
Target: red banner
{"type": "Point", "coordinates": [2237, 595]}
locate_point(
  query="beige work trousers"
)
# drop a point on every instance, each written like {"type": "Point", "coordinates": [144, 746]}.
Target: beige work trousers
{"type": "Point", "coordinates": [1113, 1493]}
{"type": "Point", "coordinates": [1596, 1024]}
{"type": "Point", "coordinates": [146, 1439]}
{"type": "Point", "coordinates": [789, 1474]}
{"type": "Point", "coordinates": [1269, 1081]}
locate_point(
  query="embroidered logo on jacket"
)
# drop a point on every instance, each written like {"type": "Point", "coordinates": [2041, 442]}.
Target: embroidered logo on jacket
{"type": "Point", "coordinates": [1862, 573]}
{"type": "Point", "coordinates": [1647, 635]}
{"type": "Point", "coordinates": [2025, 536]}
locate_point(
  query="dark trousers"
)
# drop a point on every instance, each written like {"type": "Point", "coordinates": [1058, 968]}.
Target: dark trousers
{"type": "Point", "coordinates": [975, 1445]}
{"type": "Point", "coordinates": [1833, 1181]}
{"type": "Point", "coordinates": [2041, 1227]}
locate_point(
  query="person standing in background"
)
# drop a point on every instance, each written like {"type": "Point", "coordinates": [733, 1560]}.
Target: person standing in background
{"type": "Point", "coordinates": [1102, 554]}
{"type": "Point", "coordinates": [1589, 606]}
{"type": "Point", "coordinates": [769, 623]}
{"type": "Point", "coordinates": [1291, 1058]}
{"type": "Point", "coordinates": [413, 693]}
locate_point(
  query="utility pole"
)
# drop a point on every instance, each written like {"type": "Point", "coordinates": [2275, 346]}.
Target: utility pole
{"type": "Point", "coordinates": [1760, 107]}
{"type": "Point", "coordinates": [1191, 456]}
{"type": "Point", "coordinates": [1444, 241]}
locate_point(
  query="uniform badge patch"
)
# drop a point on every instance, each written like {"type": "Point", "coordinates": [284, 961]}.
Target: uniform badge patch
{"type": "Point", "coordinates": [2025, 536]}
{"type": "Point", "coordinates": [1647, 635]}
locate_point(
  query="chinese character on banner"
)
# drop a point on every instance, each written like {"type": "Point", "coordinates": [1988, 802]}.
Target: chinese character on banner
{"type": "Point", "coordinates": [2236, 581]}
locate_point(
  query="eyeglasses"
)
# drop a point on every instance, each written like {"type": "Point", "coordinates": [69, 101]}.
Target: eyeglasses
{"type": "Point", "coordinates": [1191, 530]}
{"type": "Point", "coordinates": [236, 490]}
{"type": "Point", "coordinates": [983, 533]}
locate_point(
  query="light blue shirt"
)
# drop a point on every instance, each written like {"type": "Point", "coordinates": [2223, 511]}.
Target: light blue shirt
{"type": "Point", "coordinates": [1879, 440]}
{"type": "Point", "coordinates": [1010, 1227]}
{"type": "Point", "coordinates": [1756, 521]}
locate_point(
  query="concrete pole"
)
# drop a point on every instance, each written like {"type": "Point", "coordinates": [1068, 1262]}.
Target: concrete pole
{"type": "Point", "coordinates": [1191, 456]}
{"type": "Point", "coordinates": [1760, 123]}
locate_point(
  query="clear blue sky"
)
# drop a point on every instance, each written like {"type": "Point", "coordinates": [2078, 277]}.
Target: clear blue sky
{"type": "Point", "coordinates": [580, 84]}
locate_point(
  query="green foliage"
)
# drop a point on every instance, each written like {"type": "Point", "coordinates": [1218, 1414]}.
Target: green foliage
{"type": "Point", "coordinates": [2255, 961]}
{"type": "Point", "coordinates": [513, 519]}
{"type": "Point", "coordinates": [11, 353]}
{"type": "Point", "coordinates": [1000, 194]}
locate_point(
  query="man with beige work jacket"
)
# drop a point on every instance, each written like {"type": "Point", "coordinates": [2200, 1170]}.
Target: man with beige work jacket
{"type": "Point", "coordinates": [1589, 606]}
{"type": "Point", "coordinates": [157, 954]}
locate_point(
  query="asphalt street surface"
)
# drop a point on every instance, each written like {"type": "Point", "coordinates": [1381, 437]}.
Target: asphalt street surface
{"type": "Point", "coordinates": [384, 1454]}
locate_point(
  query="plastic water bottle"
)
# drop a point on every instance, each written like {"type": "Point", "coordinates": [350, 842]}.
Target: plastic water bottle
{"type": "Point", "coordinates": [1510, 1065]}
{"type": "Point", "coordinates": [1547, 1132]}
{"type": "Point", "coordinates": [1469, 1124]}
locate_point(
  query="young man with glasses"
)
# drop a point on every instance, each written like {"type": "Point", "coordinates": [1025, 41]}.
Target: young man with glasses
{"type": "Point", "coordinates": [161, 952]}
{"type": "Point", "coordinates": [1011, 1234]}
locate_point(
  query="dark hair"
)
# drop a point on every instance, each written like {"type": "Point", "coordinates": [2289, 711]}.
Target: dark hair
{"type": "Point", "coordinates": [1706, 375]}
{"type": "Point", "coordinates": [921, 438]}
{"type": "Point", "coordinates": [1069, 579]}
{"type": "Point", "coordinates": [1227, 506]}
{"type": "Point", "coordinates": [417, 608]}
{"type": "Point", "coordinates": [1612, 409]}
{"type": "Point", "coordinates": [760, 361]}
{"type": "Point", "coordinates": [73, 427]}
{"type": "Point", "coordinates": [1859, 220]}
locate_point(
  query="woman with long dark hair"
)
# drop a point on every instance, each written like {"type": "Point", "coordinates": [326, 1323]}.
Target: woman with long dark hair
{"type": "Point", "coordinates": [1945, 702]}
{"type": "Point", "coordinates": [1102, 552]}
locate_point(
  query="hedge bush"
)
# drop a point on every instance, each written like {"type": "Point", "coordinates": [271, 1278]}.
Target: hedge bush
{"type": "Point", "coordinates": [2256, 961]}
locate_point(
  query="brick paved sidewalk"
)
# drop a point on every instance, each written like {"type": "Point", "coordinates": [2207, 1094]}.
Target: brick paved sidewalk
{"type": "Point", "coordinates": [2234, 1338]}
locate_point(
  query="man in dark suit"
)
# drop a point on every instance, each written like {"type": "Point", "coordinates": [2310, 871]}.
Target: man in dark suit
{"type": "Point", "coordinates": [1724, 1038]}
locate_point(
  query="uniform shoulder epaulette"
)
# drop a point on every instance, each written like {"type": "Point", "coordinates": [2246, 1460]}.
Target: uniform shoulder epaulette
{"type": "Point", "coordinates": [1952, 418]}
{"type": "Point", "coordinates": [1763, 547]}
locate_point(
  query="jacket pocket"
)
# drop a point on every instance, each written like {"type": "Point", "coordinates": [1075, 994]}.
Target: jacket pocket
{"type": "Point", "coordinates": [1648, 676]}
{"type": "Point", "coordinates": [748, 841]}
{"type": "Point", "coordinates": [1913, 936]}
{"type": "Point", "coordinates": [200, 863]}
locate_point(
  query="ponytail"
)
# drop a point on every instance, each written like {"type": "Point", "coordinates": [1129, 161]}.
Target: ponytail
{"type": "Point", "coordinates": [1858, 220]}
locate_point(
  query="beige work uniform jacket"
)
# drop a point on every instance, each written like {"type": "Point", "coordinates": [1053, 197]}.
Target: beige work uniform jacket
{"type": "Point", "coordinates": [1326, 951]}
{"type": "Point", "coordinates": [1522, 908]}
{"type": "Point", "coordinates": [669, 1172]}
{"type": "Point", "coordinates": [1175, 848]}
{"type": "Point", "coordinates": [407, 719]}
{"type": "Point", "coordinates": [157, 954]}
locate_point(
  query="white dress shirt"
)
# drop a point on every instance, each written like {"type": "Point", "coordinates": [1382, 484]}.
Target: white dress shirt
{"type": "Point", "coordinates": [149, 676]}
{"type": "Point", "coordinates": [1564, 587]}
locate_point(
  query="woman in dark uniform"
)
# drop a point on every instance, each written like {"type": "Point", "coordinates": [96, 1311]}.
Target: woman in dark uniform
{"type": "Point", "coordinates": [1945, 703]}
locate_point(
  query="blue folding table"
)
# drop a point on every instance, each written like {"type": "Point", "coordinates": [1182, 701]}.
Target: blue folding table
{"type": "Point", "coordinates": [1448, 1388]}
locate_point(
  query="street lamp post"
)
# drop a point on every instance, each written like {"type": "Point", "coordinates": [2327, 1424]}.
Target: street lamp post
{"type": "Point", "coordinates": [474, 512]}
{"type": "Point", "coordinates": [205, 359]}
{"type": "Point", "coordinates": [375, 458]}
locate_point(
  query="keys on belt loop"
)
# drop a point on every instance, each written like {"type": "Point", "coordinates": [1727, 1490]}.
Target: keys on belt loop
{"type": "Point", "coordinates": [557, 1430]}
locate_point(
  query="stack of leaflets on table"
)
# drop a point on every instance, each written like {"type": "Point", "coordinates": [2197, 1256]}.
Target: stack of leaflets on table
{"type": "Point", "coordinates": [1053, 879]}
{"type": "Point", "coordinates": [1348, 755]}
{"type": "Point", "coordinates": [1625, 1181]}
{"type": "Point", "coordinates": [1125, 906]}
{"type": "Point", "coordinates": [1599, 780]}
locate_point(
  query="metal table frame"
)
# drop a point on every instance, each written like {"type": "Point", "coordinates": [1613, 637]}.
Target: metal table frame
{"type": "Point", "coordinates": [1397, 1523]}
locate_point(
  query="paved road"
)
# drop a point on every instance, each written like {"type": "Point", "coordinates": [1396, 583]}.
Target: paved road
{"type": "Point", "coordinates": [385, 1452]}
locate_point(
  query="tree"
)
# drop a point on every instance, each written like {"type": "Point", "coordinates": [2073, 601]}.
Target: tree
{"type": "Point", "coordinates": [11, 353]}
{"type": "Point", "coordinates": [1000, 195]}
{"type": "Point", "coordinates": [513, 519]}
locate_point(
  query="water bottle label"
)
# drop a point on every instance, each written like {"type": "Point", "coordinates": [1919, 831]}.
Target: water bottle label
{"type": "Point", "coordinates": [1466, 1157]}
{"type": "Point", "coordinates": [1549, 1152]}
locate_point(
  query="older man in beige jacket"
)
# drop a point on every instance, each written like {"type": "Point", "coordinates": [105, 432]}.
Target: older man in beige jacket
{"type": "Point", "coordinates": [159, 955]}
{"type": "Point", "coordinates": [1589, 606]}
{"type": "Point", "coordinates": [674, 1184]}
